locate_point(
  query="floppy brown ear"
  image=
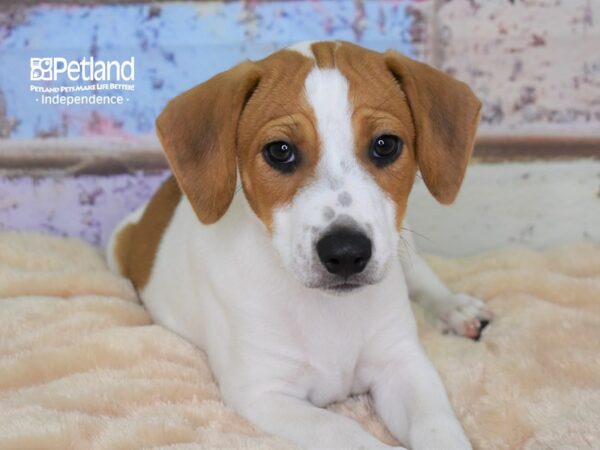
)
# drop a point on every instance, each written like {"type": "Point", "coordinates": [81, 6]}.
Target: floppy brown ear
{"type": "Point", "coordinates": [446, 114]}
{"type": "Point", "coordinates": [198, 131]}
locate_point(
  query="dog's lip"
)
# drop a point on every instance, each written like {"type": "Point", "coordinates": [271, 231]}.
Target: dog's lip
{"type": "Point", "coordinates": [344, 287]}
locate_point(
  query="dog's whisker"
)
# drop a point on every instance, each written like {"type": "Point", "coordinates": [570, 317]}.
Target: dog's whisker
{"type": "Point", "coordinates": [417, 233]}
{"type": "Point", "coordinates": [407, 253]}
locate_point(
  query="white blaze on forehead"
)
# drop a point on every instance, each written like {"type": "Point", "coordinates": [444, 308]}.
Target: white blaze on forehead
{"type": "Point", "coordinates": [342, 192]}
{"type": "Point", "coordinates": [327, 93]}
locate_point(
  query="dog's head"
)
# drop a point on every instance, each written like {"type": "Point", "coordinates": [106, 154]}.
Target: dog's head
{"type": "Point", "coordinates": [327, 138]}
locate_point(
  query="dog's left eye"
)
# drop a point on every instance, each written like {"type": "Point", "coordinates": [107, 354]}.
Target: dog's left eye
{"type": "Point", "coordinates": [385, 149]}
{"type": "Point", "coordinates": [281, 155]}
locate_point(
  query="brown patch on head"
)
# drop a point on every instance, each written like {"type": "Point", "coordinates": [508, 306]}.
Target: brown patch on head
{"type": "Point", "coordinates": [137, 243]}
{"type": "Point", "coordinates": [277, 111]}
{"type": "Point", "coordinates": [223, 124]}
{"type": "Point", "coordinates": [434, 114]}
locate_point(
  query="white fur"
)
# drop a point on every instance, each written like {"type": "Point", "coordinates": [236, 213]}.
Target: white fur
{"type": "Point", "coordinates": [280, 348]}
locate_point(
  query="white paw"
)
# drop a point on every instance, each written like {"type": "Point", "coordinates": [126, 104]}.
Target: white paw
{"type": "Point", "coordinates": [462, 314]}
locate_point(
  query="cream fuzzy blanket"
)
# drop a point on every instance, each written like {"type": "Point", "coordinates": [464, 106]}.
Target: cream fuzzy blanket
{"type": "Point", "coordinates": [82, 366]}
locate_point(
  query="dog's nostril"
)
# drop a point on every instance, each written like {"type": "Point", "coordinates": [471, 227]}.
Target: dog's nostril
{"type": "Point", "coordinates": [332, 264]}
{"type": "Point", "coordinates": [344, 251]}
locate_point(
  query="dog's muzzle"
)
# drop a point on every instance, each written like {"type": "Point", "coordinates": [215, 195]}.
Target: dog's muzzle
{"type": "Point", "coordinates": [344, 252]}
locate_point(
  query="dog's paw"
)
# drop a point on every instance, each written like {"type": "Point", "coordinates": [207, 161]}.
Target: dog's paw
{"type": "Point", "coordinates": [463, 315]}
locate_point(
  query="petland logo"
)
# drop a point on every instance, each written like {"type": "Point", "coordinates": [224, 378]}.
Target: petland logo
{"type": "Point", "coordinates": [88, 69]}
{"type": "Point", "coordinates": [63, 82]}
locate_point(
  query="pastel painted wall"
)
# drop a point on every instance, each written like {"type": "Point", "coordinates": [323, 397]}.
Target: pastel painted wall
{"type": "Point", "coordinates": [175, 46]}
{"type": "Point", "coordinates": [88, 207]}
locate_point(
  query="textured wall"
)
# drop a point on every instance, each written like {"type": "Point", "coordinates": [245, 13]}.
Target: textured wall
{"type": "Point", "coordinates": [536, 64]}
{"type": "Point", "coordinates": [176, 46]}
{"type": "Point", "coordinates": [88, 207]}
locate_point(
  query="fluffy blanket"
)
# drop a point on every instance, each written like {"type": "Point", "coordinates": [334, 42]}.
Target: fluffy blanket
{"type": "Point", "coordinates": [82, 365]}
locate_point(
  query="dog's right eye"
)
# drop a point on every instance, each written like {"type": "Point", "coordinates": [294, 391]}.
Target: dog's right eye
{"type": "Point", "coordinates": [281, 155]}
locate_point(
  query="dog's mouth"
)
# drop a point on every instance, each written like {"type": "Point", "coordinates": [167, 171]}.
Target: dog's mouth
{"type": "Point", "coordinates": [340, 285]}
{"type": "Point", "coordinates": [345, 285]}
{"type": "Point", "coordinates": [343, 288]}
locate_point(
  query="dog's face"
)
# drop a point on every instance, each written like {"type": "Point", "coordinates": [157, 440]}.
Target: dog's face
{"type": "Point", "coordinates": [327, 138]}
{"type": "Point", "coordinates": [328, 163]}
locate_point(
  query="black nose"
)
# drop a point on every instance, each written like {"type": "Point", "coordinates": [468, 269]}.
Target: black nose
{"type": "Point", "coordinates": [344, 252]}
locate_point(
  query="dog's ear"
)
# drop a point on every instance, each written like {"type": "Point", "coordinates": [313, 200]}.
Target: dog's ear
{"type": "Point", "coordinates": [446, 114]}
{"type": "Point", "coordinates": [198, 131]}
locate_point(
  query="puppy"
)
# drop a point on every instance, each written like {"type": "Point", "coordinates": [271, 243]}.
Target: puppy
{"type": "Point", "coordinates": [291, 280]}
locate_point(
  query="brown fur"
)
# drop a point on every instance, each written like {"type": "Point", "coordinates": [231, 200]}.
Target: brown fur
{"type": "Point", "coordinates": [229, 119]}
{"type": "Point", "coordinates": [445, 113]}
{"type": "Point", "coordinates": [198, 129]}
{"type": "Point", "coordinates": [277, 111]}
{"type": "Point", "coordinates": [137, 243]}
{"type": "Point", "coordinates": [324, 53]}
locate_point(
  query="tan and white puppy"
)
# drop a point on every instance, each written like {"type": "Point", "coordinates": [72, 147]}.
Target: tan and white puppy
{"type": "Point", "coordinates": [291, 279]}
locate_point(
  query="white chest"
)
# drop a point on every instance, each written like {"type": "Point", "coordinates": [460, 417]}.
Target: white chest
{"type": "Point", "coordinates": [309, 347]}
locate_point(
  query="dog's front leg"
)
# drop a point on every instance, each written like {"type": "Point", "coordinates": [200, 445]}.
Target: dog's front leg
{"type": "Point", "coordinates": [409, 396]}
{"type": "Point", "coordinates": [306, 425]}
{"type": "Point", "coordinates": [458, 313]}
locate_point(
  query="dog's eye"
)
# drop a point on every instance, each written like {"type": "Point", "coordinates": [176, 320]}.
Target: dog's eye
{"type": "Point", "coordinates": [281, 155]}
{"type": "Point", "coordinates": [385, 149]}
